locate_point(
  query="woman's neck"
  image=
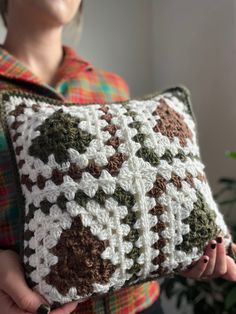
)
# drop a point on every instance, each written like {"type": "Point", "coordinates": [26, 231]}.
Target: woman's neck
{"type": "Point", "coordinates": [40, 50]}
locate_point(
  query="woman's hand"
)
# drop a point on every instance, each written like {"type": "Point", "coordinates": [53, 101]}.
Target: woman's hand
{"type": "Point", "coordinates": [15, 296]}
{"type": "Point", "coordinates": [213, 264]}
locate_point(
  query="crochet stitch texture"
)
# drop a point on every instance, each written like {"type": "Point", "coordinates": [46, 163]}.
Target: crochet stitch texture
{"type": "Point", "coordinates": [111, 194]}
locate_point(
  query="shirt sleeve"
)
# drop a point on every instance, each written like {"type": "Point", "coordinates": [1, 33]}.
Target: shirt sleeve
{"type": "Point", "coordinates": [9, 212]}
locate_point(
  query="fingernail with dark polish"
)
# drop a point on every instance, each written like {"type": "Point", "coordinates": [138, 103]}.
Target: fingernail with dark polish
{"type": "Point", "coordinates": [205, 260]}
{"type": "Point", "coordinates": [213, 246]}
{"type": "Point", "coordinates": [43, 309]}
{"type": "Point", "coordinates": [219, 240]}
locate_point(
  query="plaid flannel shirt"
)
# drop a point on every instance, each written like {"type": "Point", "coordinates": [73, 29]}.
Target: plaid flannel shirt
{"type": "Point", "coordinates": [76, 81]}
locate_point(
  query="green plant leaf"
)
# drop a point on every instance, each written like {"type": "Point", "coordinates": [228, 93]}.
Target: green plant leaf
{"type": "Point", "coordinates": [230, 299]}
{"type": "Point", "coordinates": [228, 183]}
{"type": "Point", "coordinates": [231, 154]}
{"type": "Point", "coordinates": [230, 201]}
{"type": "Point", "coordinates": [181, 297]}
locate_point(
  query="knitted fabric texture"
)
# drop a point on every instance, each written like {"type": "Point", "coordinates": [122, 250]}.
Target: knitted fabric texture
{"type": "Point", "coordinates": [112, 194]}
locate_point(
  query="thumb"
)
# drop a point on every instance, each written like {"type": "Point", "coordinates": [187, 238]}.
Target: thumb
{"type": "Point", "coordinates": [25, 298]}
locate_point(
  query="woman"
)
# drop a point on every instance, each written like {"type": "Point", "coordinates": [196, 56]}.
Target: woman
{"type": "Point", "coordinates": [33, 58]}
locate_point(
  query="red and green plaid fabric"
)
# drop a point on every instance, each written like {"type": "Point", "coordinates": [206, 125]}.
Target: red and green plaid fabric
{"type": "Point", "coordinates": [76, 81]}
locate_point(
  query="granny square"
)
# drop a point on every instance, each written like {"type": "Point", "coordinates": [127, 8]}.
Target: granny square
{"type": "Point", "coordinates": [111, 194]}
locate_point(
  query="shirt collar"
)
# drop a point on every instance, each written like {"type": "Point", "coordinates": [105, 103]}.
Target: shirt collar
{"type": "Point", "coordinates": [72, 64]}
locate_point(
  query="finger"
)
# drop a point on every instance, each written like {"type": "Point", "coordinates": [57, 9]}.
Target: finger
{"type": "Point", "coordinates": [211, 253]}
{"type": "Point", "coordinates": [25, 298]}
{"type": "Point", "coordinates": [231, 270]}
{"type": "Point", "coordinates": [198, 269]}
{"type": "Point", "coordinates": [234, 247]}
{"type": "Point", "coordinates": [8, 305]}
{"type": "Point", "coordinates": [221, 261]}
{"type": "Point", "coordinates": [66, 309]}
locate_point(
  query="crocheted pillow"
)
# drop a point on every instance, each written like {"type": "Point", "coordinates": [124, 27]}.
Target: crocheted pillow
{"type": "Point", "coordinates": [111, 194]}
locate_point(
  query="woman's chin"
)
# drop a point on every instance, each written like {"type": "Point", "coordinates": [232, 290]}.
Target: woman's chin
{"type": "Point", "coordinates": [57, 12]}
{"type": "Point", "coordinates": [56, 20]}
